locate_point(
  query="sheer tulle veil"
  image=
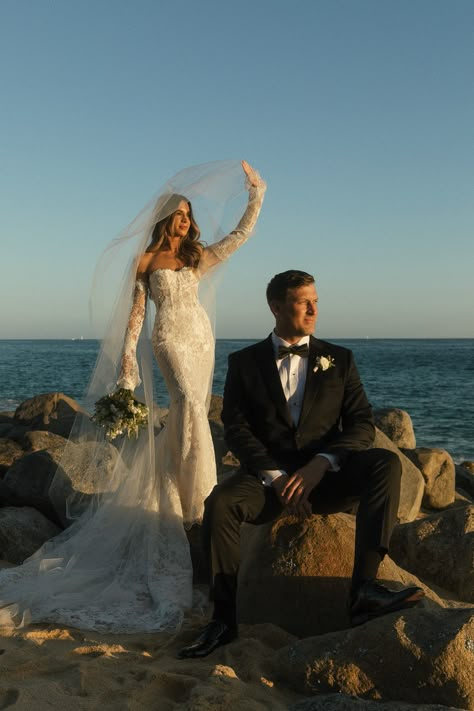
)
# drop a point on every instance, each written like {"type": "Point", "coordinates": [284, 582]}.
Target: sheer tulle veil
{"type": "Point", "coordinates": [217, 192]}
{"type": "Point", "coordinates": [124, 529]}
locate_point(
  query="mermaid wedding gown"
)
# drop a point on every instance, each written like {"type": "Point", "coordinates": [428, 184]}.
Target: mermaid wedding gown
{"type": "Point", "coordinates": [125, 565]}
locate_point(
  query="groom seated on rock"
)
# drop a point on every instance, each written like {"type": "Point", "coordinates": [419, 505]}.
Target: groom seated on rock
{"type": "Point", "coordinates": [296, 415]}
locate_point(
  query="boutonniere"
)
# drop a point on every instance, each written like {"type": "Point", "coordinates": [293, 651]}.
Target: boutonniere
{"type": "Point", "coordinates": [323, 362]}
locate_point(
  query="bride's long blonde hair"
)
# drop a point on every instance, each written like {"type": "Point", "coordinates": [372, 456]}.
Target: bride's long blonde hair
{"type": "Point", "coordinates": [190, 248]}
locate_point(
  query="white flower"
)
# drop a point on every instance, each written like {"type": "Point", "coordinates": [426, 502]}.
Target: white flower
{"type": "Point", "coordinates": [323, 362]}
{"type": "Point", "coordinates": [120, 413]}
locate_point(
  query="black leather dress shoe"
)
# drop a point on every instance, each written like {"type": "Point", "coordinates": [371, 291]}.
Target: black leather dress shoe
{"type": "Point", "coordinates": [214, 635]}
{"type": "Point", "coordinates": [371, 599]}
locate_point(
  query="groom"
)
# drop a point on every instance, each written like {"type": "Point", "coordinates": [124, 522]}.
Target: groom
{"type": "Point", "coordinates": [296, 415]}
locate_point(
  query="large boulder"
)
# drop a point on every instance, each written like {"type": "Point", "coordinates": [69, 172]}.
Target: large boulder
{"type": "Point", "coordinates": [46, 478]}
{"type": "Point", "coordinates": [36, 440]}
{"type": "Point", "coordinates": [440, 549]}
{"type": "Point", "coordinates": [9, 452]}
{"type": "Point", "coordinates": [412, 484]}
{"type": "Point", "coordinates": [22, 532]}
{"type": "Point", "coordinates": [28, 481]}
{"type": "Point", "coordinates": [296, 574]}
{"type": "Point", "coordinates": [419, 656]}
{"type": "Point", "coordinates": [343, 702]}
{"type": "Point", "coordinates": [438, 471]}
{"type": "Point", "coordinates": [54, 412]}
{"type": "Point", "coordinates": [397, 425]}
{"type": "Point", "coordinates": [464, 479]}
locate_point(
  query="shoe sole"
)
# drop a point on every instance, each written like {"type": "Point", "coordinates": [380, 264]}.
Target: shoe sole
{"type": "Point", "coordinates": [401, 605]}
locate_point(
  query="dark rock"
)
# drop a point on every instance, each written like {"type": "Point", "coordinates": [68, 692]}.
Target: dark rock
{"type": "Point", "coordinates": [440, 549]}
{"type": "Point", "coordinates": [296, 574]}
{"type": "Point", "coordinates": [22, 532]}
{"type": "Point", "coordinates": [54, 412]}
{"type": "Point", "coordinates": [412, 484]}
{"type": "Point", "coordinates": [437, 468]}
{"type": "Point", "coordinates": [417, 656]}
{"type": "Point", "coordinates": [215, 409]}
{"type": "Point", "coordinates": [46, 478]}
{"type": "Point", "coordinates": [397, 425]}
{"type": "Point", "coordinates": [464, 479]}
{"type": "Point", "coordinates": [37, 440]}
{"type": "Point", "coordinates": [9, 452]}
{"type": "Point", "coordinates": [343, 702]}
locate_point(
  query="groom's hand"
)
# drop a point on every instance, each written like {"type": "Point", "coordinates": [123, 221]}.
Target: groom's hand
{"type": "Point", "coordinates": [279, 485]}
{"type": "Point", "coordinates": [298, 487]}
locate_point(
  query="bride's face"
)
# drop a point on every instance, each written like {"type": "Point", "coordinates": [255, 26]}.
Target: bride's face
{"type": "Point", "coordinates": [181, 222]}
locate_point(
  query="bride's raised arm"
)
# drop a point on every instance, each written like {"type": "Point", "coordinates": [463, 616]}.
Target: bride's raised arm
{"type": "Point", "coordinates": [129, 377]}
{"type": "Point", "coordinates": [221, 250]}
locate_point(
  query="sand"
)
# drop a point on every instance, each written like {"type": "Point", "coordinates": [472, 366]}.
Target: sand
{"type": "Point", "coordinates": [51, 667]}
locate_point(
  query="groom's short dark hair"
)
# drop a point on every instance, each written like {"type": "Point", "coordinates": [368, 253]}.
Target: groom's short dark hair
{"type": "Point", "coordinates": [292, 279]}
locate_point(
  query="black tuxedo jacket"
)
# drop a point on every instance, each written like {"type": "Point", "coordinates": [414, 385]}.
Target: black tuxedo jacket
{"type": "Point", "coordinates": [336, 416]}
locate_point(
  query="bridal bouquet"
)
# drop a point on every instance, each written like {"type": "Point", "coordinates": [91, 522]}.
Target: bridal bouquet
{"type": "Point", "coordinates": [120, 413]}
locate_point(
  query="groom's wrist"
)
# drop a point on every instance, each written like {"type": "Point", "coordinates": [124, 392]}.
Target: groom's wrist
{"type": "Point", "coordinates": [268, 476]}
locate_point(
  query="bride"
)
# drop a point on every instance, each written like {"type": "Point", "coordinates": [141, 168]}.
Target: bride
{"type": "Point", "coordinates": [124, 565]}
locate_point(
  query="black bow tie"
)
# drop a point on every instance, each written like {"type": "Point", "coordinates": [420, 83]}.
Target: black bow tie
{"type": "Point", "coordinates": [302, 351]}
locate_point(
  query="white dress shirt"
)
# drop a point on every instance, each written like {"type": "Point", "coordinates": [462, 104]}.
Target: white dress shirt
{"type": "Point", "coordinates": [292, 370]}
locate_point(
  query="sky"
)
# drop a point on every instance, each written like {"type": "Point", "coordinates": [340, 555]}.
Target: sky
{"type": "Point", "coordinates": [358, 114]}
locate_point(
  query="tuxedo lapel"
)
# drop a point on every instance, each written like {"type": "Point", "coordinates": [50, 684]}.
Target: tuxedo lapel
{"type": "Point", "coordinates": [313, 380]}
{"type": "Point", "coordinates": [269, 371]}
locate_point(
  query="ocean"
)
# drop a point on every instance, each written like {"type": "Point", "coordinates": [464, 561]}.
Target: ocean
{"type": "Point", "coordinates": [432, 379]}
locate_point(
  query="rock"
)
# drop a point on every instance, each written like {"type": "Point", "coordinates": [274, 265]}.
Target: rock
{"type": "Point", "coordinates": [464, 478]}
{"type": "Point", "coordinates": [397, 425]}
{"type": "Point", "coordinates": [46, 478]}
{"type": "Point", "coordinates": [417, 656]}
{"type": "Point", "coordinates": [440, 549]}
{"type": "Point", "coordinates": [6, 417]}
{"type": "Point", "coordinates": [343, 702]}
{"type": "Point", "coordinates": [37, 440]}
{"type": "Point", "coordinates": [438, 471]}
{"type": "Point", "coordinates": [412, 484]}
{"type": "Point", "coordinates": [9, 452]}
{"type": "Point", "coordinates": [462, 497]}
{"type": "Point", "coordinates": [215, 409]}
{"type": "Point", "coordinates": [22, 532]}
{"type": "Point", "coordinates": [86, 469]}
{"type": "Point", "coordinates": [5, 429]}
{"type": "Point", "coordinates": [296, 574]}
{"type": "Point", "coordinates": [468, 465]}
{"type": "Point", "coordinates": [28, 481]}
{"type": "Point", "coordinates": [54, 412]}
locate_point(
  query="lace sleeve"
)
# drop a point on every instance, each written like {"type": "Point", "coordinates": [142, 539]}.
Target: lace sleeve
{"type": "Point", "coordinates": [221, 250]}
{"type": "Point", "coordinates": [129, 377]}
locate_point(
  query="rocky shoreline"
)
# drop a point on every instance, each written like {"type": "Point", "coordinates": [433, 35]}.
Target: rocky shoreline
{"type": "Point", "coordinates": [296, 649]}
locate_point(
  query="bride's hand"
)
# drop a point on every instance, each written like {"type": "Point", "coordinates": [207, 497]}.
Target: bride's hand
{"type": "Point", "coordinates": [252, 175]}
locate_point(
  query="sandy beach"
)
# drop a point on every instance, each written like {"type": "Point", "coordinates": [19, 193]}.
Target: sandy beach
{"type": "Point", "coordinates": [50, 667]}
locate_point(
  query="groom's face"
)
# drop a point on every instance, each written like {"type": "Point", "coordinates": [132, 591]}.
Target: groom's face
{"type": "Point", "coordinates": [296, 316]}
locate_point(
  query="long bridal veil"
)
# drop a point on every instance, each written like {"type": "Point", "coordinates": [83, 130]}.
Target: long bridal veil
{"type": "Point", "coordinates": [122, 562]}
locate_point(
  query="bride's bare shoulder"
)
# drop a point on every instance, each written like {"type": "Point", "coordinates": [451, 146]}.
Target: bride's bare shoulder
{"type": "Point", "coordinates": [143, 264]}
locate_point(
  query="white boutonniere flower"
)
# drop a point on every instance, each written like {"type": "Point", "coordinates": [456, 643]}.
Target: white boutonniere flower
{"type": "Point", "coordinates": [323, 362]}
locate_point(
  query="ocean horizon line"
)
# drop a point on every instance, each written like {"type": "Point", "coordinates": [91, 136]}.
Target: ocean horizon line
{"type": "Point", "coordinates": [258, 338]}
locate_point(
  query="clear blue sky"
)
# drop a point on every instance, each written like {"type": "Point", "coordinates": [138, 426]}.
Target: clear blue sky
{"type": "Point", "coordinates": [359, 114]}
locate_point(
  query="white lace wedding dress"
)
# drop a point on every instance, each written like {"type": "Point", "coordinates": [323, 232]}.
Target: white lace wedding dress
{"type": "Point", "coordinates": [125, 566]}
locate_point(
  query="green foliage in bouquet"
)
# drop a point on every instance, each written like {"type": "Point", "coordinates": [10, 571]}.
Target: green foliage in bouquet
{"type": "Point", "coordinates": [120, 413]}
